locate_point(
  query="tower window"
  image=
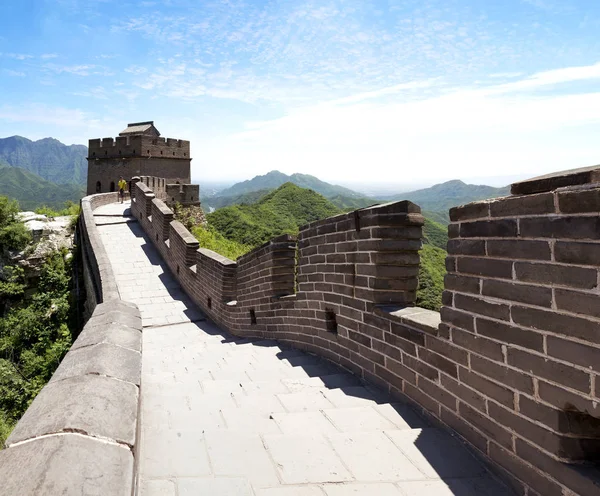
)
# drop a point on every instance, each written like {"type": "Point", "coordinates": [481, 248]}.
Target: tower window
{"type": "Point", "coordinates": [93, 154]}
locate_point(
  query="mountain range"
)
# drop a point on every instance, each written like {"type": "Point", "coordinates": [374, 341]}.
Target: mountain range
{"type": "Point", "coordinates": [32, 191]}
{"type": "Point", "coordinates": [434, 201]}
{"type": "Point", "coordinates": [48, 158]}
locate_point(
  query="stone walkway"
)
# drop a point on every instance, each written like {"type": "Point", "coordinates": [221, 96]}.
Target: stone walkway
{"type": "Point", "coordinates": [227, 416]}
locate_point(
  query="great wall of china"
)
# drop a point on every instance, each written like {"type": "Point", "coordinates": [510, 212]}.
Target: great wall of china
{"type": "Point", "coordinates": [511, 364]}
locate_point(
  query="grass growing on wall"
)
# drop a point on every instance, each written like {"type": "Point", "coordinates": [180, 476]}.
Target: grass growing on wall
{"type": "Point", "coordinates": [210, 239]}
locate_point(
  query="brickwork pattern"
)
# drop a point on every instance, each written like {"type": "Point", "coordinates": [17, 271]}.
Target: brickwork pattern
{"type": "Point", "coordinates": [510, 364]}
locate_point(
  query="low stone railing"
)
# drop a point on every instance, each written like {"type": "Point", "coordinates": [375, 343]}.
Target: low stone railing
{"type": "Point", "coordinates": [79, 434]}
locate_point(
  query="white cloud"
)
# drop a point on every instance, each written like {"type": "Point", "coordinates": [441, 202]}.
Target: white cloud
{"type": "Point", "coordinates": [47, 56]}
{"type": "Point", "coordinates": [460, 133]}
{"type": "Point", "coordinates": [12, 73]}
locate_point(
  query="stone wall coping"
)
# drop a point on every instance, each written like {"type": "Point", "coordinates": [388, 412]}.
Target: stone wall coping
{"type": "Point", "coordinates": [83, 423]}
{"type": "Point", "coordinates": [549, 182]}
{"type": "Point", "coordinates": [213, 255]}
{"type": "Point", "coordinates": [416, 317]}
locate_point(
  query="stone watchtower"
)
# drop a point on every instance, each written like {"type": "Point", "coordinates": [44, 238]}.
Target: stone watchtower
{"type": "Point", "coordinates": [137, 151]}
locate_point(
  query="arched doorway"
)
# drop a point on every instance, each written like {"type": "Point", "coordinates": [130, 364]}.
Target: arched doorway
{"type": "Point", "coordinates": [98, 187]}
{"type": "Point", "coordinates": [112, 186]}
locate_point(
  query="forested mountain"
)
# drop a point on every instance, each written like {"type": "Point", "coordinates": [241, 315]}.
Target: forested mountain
{"type": "Point", "coordinates": [237, 229]}
{"type": "Point", "coordinates": [237, 194]}
{"type": "Point", "coordinates": [48, 158]}
{"type": "Point", "coordinates": [442, 197]}
{"type": "Point", "coordinates": [32, 191]}
{"type": "Point", "coordinates": [281, 211]}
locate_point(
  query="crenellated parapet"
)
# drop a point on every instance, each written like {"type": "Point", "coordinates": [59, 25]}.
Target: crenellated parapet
{"type": "Point", "coordinates": [138, 151]}
{"type": "Point", "coordinates": [510, 363]}
{"type": "Point", "coordinates": [138, 146]}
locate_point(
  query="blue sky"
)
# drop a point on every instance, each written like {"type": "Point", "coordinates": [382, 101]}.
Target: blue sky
{"type": "Point", "coordinates": [357, 91]}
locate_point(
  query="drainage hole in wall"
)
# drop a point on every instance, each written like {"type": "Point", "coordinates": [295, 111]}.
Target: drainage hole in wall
{"type": "Point", "coordinates": [330, 321]}
{"type": "Point", "coordinates": [178, 269]}
{"type": "Point", "coordinates": [252, 317]}
{"type": "Point", "coordinates": [209, 302]}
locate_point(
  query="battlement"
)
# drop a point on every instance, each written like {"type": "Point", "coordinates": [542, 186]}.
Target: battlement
{"type": "Point", "coordinates": [138, 146]}
{"type": "Point", "coordinates": [511, 361]}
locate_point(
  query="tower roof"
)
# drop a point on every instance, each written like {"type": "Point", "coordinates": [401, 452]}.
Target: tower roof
{"type": "Point", "coordinates": [146, 128]}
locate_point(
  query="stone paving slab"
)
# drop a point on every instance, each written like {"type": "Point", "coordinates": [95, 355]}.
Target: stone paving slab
{"type": "Point", "coordinates": [223, 416]}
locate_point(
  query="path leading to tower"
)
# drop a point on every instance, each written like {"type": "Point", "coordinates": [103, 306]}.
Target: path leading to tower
{"type": "Point", "coordinates": [227, 416]}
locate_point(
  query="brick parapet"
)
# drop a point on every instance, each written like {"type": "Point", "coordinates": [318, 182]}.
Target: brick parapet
{"type": "Point", "coordinates": [135, 146]}
{"type": "Point", "coordinates": [509, 364]}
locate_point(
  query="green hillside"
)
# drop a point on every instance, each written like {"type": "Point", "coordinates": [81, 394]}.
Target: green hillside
{"type": "Point", "coordinates": [48, 158]}
{"type": "Point", "coordinates": [435, 234]}
{"type": "Point", "coordinates": [32, 191]}
{"type": "Point", "coordinates": [442, 197]}
{"type": "Point", "coordinates": [236, 229]}
{"type": "Point", "coordinates": [281, 211]}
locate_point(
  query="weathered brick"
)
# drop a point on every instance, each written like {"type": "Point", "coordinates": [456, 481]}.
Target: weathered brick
{"type": "Point", "coordinates": [465, 429]}
{"type": "Point", "coordinates": [408, 333]}
{"type": "Point", "coordinates": [567, 400]}
{"type": "Point", "coordinates": [560, 227]}
{"type": "Point", "coordinates": [556, 322]}
{"type": "Point", "coordinates": [485, 267]}
{"type": "Point", "coordinates": [499, 372]}
{"type": "Point", "coordinates": [458, 318]}
{"type": "Point", "coordinates": [529, 474]}
{"type": "Point", "coordinates": [504, 228]}
{"type": "Point", "coordinates": [574, 202]}
{"type": "Point", "coordinates": [561, 446]}
{"type": "Point", "coordinates": [482, 306]}
{"type": "Point", "coordinates": [577, 302]}
{"type": "Point", "coordinates": [573, 352]}
{"type": "Point", "coordinates": [403, 344]}
{"type": "Point", "coordinates": [464, 393]}
{"type": "Point", "coordinates": [561, 275]}
{"type": "Point", "coordinates": [510, 334]}
{"type": "Point", "coordinates": [486, 425]}
{"type": "Point", "coordinates": [577, 252]}
{"type": "Point", "coordinates": [519, 248]}
{"type": "Point", "coordinates": [549, 369]}
{"type": "Point", "coordinates": [436, 392]}
{"type": "Point", "coordinates": [427, 402]}
{"type": "Point", "coordinates": [439, 362]}
{"type": "Point", "coordinates": [453, 231]}
{"type": "Point", "coordinates": [399, 370]}
{"type": "Point", "coordinates": [464, 284]}
{"type": "Point", "coordinates": [447, 349]}
{"type": "Point", "coordinates": [568, 422]}
{"type": "Point", "coordinates": [578, 479]}
{"type": "Point", "coordinates": [486, 387]}
{"type": "Point", "coordinates": [421, 367]}
{"type": "Point", "coordinates": [477, 344]}
{"type": "Point", "coordinates": [475, 210]}
{"type": "Point", "coordinates": [523, 205]}
{"type": "Point", "coordinates": [523, 293]}
{"type": "Point", "coordinates": [450, 264]}
{"type": "Point", "coordinates": [466, 247]}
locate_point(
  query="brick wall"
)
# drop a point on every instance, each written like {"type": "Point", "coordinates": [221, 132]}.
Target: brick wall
{"type": "Point", "coordinates": [510, 364]}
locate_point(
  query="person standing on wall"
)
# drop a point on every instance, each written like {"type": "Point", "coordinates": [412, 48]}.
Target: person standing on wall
{"type": "Point", "coordinates": [122, 188]}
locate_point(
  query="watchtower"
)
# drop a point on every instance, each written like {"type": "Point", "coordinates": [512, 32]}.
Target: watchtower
{"type": "Point", "coordinates": [139, 150]}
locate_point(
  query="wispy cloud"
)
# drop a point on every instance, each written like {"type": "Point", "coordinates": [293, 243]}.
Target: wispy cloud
{"type": "Point", "coordinates": [47, 56]}
{"type": "Point", "coordinates": [12, 73]}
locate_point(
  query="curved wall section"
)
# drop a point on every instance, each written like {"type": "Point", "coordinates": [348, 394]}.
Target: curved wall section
{"type": "Point", "coordinates": [79, 434]}
{"type": "Point", "coordinates": [510, 364]}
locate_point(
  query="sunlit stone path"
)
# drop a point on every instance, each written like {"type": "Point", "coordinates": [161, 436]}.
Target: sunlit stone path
{"type": "Point", "coordinates": [228, 416]}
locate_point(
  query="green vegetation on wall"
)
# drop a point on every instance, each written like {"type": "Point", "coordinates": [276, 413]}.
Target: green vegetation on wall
{"type": "Point", "coordinates": [35, 333]}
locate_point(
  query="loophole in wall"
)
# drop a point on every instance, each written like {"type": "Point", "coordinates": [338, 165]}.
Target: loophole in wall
{"type": "Point", "coordinates": [252, 317]}
{"type": "Point", "coordinates": [209, 302]}
{"type": "Point", "coordinates": [330, 321]}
